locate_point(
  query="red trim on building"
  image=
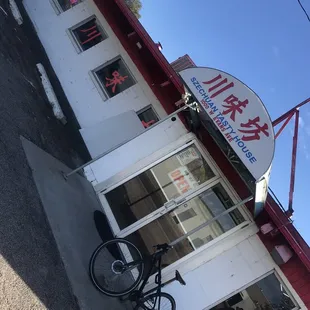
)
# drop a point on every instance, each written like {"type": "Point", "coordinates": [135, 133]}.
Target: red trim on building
{"type": "Point", "coordinates": [297, 268]}
{"type": "Point", "coordinates": [156, 70]}
{"type": "Point", "coordinates": [149, 43]}
{"type": "Point", "coordinates": [288, 230]}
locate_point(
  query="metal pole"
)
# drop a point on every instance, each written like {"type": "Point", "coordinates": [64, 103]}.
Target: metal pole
{"type": "Point", "coordinates": [284, 125]}
{"type": "Point", "coordinates": [173, 243]}
{"type": "Point", "coordinates": [285, 115]}
{"type": "Point", "coordinates": [293, 167]}
{"type": "Point", "coordinates": [124, 142]}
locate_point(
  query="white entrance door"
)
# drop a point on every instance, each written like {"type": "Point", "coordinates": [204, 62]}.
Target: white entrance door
{"type": "Point", "coordinates": [168, 199]}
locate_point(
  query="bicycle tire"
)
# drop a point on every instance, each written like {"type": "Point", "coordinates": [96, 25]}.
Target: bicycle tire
{"type": "Point", "coordinates": [109, 254]}
{"type": "Point", "coordinates": [147, 303]}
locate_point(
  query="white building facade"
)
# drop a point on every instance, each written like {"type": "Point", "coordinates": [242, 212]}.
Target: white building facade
{"type": "Point", "coordinates": [165, 182]}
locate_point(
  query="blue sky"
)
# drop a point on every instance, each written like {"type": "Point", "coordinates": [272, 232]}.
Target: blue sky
{"type": "Point", "coordinates": [266, 44]}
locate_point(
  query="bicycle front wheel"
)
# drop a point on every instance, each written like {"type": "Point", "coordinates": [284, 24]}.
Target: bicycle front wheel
{"type": "Point", "coordinates": [108, 267]}
{"type": "Point", "coordinates": [151, 302]}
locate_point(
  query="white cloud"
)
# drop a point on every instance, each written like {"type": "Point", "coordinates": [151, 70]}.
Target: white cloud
{"type": "Point", "coordinates": [275, 51]}
{"type": "Point", "coordinates": [291, 131]}
{"type": "Point", "coordinates": [301, 122]}
{"type": "Point", "coordinates": [304, 146]}
{"type": "Point", "coordinates": [306, 152]}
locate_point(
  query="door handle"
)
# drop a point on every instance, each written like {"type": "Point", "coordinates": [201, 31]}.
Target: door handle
{"type": "Point", "coordinates": [180, 201]}
{"type": "Point", "coordinates": [170, 204]}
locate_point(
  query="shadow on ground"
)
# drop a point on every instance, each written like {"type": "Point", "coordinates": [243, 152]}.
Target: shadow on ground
{"type": "Point", "coordinates": [102, 225]}
{"type": "Point", "coordinates": [69, 206]}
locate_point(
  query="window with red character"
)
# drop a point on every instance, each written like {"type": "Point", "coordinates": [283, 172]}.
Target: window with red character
{"type": "Point", "coordinates": [65, 5]}
{"type": "Point", "coordinates": [114, 77]}
{"type": "Point", "coordinates": [147, 116]}
{"type": "Point", "coordinates": [88, 34]}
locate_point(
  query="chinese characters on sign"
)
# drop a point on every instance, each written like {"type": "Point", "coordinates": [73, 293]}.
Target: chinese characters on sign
{"type": "Point", "coordinates": [234, 105]}
{"type": "Point", "coordinates": [115, 78]}
{"type": "Point", "coordinates": [89, 34]}
{"type": "Point", "coordinates": [238, 114]}
{"type": "Point", "coordinates": [253, 134]}
{"type": "Point", "coordinates": [219, 87]}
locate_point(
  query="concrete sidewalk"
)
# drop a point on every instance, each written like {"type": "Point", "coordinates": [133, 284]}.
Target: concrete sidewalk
{"type": "Point", "coordinates": [69, 207]}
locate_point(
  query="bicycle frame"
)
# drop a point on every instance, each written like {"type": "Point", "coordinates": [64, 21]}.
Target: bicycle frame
{"type": "Point", "coordinates": [157, 279]}
{"type": "Point", "coordinates": [155, 263]}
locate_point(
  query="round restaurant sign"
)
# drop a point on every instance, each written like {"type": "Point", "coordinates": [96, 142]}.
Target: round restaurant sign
{"type": "Point", "coordinates": [238, 113]}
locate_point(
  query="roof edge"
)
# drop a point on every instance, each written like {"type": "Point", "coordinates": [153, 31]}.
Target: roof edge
{"type": "Point", "coordinates": [289, 231]}
{"type": "Point", "coordinates": [161, 59]}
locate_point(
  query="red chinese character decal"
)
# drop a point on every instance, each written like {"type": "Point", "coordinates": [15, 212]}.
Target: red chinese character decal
{"type": "Point", "coordinates": [254, 129]}
{"type": "Point", "coordinates": [116, 80]}
{"type": "Point", "coordinates": [234, 105]}
{"type": "Point", "coordinates": [218, 85]}
{"type": "Point", "coordinates": [148, 124]}
{"type": "Point", "coordinates": [93, 33]}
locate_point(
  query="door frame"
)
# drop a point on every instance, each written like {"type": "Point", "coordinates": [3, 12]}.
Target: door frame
{"type": "Point", "coordinates": [164, 209]}
{"type": "Point", "coordinates": [153, 160]}
{"type": "Point", "coordinates": [188, 259]}
{"type": "Point", "coordinates": [166, 155]}
{"type": "Point", "coordinates": [168, 207]}
{"type": "Point", "coordinates": [281, 278]}
{"type": "Point", "coordinates": [171, 204]}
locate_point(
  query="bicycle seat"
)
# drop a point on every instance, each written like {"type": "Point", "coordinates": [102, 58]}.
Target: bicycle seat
{"type": "Point", "coordinates": [179, 278]}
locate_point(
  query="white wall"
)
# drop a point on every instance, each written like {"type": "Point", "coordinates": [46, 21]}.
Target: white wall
{"type": "Point", "coordinates": [106, 135]}
{"type": "Point", "coordinates": [73, 68]}
{"type": "Point", "coordinates": [222, 275]}
{"type": "Point", "coordinates": [141, 147]}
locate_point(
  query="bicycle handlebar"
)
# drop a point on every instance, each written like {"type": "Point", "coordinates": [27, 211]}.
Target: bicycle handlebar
{"type": "Point", "coordinates": [165, 247]}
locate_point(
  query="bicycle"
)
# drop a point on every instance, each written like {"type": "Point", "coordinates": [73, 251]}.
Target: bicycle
{"type": "Point", "coordinates": [125, 271]}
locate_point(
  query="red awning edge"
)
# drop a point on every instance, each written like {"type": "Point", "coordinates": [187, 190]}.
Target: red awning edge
{"type": "Point", "coordinates": [288, 230]}
{"type": "Point", "coordinates": [149, 43]}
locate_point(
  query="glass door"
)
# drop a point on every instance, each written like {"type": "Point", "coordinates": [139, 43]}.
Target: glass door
{"type": "Point", "coordinates": [266, 294]}
{"type": "Point", "coordinates": [169, 199]}
{"type": "Point", "coordinates": [159, 188]}
{"type": "Point", "coordinates": [201, 208]}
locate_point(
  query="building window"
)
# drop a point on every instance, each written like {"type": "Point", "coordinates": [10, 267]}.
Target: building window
{"type": "Point", "coordinates": [114, 78]}
{"type": "Point", "coordinates": [148, 116]}
{"type": "Point", "coordinates": [198, 242]}
{"type": "Point", "coordinates": [88, 33]}
{"type": "Point", "coordinates": [186, 215]}
{"type": "Point", "coordinates": [64, 5]}
{"type": "Point", "coordinates": [266, 294]}
{"type": "Point", "coordinates": [176, 220]}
